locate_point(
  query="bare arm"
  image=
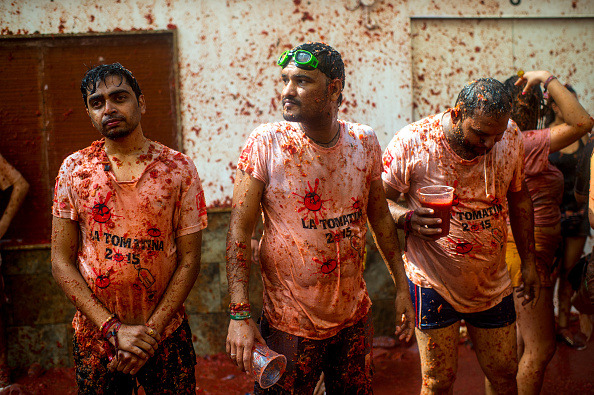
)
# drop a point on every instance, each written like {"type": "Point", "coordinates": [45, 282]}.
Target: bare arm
{"type": "Point", "coordinates": [65, 234]}
{"type": "Point", "coordinates": [577, 121]}
{"type": "Point", "coordinates": [189, 249]}
{"type": "Point", "coordinates": [247, 195]}
{"type": "Point", "coordinates": [134, 339]}
{"type": "Point", "coordinates": [19, 190]}
{"type": "Point", "coordinates": [521, 216]}
{"type": "Point", "coordinates": [386, 238]}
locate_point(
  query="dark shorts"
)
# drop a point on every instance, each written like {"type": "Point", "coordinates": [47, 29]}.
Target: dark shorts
{"type": "Point", "coordinates": [169, 371]}
{"type": "Point", "coordinates": [434, 312]}
{"type": "Point", "coordinates": [345, 359]}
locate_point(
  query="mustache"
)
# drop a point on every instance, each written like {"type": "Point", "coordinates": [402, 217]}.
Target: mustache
{"type": "Point", "coordinates": [290, 100]}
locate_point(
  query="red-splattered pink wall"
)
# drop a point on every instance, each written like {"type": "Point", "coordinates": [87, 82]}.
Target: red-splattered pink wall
{"type": "Point", "coordinates": [403, 59]}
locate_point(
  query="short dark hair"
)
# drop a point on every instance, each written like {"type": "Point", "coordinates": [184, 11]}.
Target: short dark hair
{"type": "Point", "coordinates": [99, 73]}
{"type": "Point", "coordinates": [527, 109]}
{"type": "Point", "coordinates": [485, 94]}
{"type": "Point", "coordinates": [330, 60]}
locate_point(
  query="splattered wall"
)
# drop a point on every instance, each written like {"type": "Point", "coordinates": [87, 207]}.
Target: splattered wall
{"type": "Point", "coordinates": [403, 58]}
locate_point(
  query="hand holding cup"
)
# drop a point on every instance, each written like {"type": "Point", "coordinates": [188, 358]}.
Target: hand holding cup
{"type": "Point", "coordinates": [268, 365]}
{"type": "Point", "coordinates": [438, 198]}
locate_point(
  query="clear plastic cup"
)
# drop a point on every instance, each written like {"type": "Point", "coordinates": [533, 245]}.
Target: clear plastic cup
{"type": "Point", "coordinates": [268, 365]}
{"type": "Point", "coordinates": [439, 198]}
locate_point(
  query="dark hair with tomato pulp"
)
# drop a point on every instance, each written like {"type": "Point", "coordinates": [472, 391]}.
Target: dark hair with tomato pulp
{"type": "Point", "coordinates": [485, 94]}
{"type": "Point", "coordinates": [330, 61]}
{"type": "Point", "coordinates": [98, 74]}
{"type": "Point", "coordinates": [527, 109]}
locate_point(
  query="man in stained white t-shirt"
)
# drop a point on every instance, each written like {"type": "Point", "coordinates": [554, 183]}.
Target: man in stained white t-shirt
{"type": "Point", "coordinates": [477, 149]}
{"type": "Point", "coordinates": [317, 180]}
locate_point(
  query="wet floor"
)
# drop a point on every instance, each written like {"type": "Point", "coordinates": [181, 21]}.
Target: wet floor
{"type": "Point", "coordinates": [397, 371]}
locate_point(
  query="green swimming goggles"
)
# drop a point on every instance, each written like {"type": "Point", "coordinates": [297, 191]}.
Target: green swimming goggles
{"type": "Point", "coordinates": [300, 56]}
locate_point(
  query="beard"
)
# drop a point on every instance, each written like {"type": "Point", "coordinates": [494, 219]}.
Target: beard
{"type": "Point", "coordinates": [124, 129]}
{"type": "Point", "coordinates": [116, 133]}
{"type": "Point", "coordinates": [291, 116]}
{"type": "Point", "coordinates": [467, 150]}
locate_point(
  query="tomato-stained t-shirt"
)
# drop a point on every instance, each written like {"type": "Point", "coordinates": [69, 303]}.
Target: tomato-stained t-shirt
{"type": "Point", "coordinates": [127, 252]}
{"type": "Point", "coordinates": [544, 180]}
{"type": "Point", "coordinates": [315, 215]}
{"type": "Point", "coordinates": [467, 267]}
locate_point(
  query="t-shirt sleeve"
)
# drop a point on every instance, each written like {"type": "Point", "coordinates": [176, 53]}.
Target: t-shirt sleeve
{"type": "Point", "coordinates": [253, 158]}
{"type": "Point", "coordinates": [192, 213]}
{"type": "Point", "coordinates": [582, 181]}
{"type": "Point", "coordinates": [64, 203]}
{"type": "Point", "coordinates": [537, 144]}
{"type": "Point", "coordinates": [397, 165]}
{"type": "Point", "coordinates": [8, 174]}
{"type": "Point", "coordinates": [376, 158]}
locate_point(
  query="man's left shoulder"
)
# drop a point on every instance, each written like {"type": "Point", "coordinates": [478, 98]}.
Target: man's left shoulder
{"type": "Point", "coordinates": [178, 158]}
{"type": "Point", "coordinates": [363, 133]}
{"type": "Point", "coordinates": [358, 127]}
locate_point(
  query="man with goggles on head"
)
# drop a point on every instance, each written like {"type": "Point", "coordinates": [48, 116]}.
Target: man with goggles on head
{"type": "Point", "coordinates": [317, 180]}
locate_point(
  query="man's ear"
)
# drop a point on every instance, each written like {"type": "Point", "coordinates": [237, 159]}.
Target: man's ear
{"type": "Point", "coordinates": [335, 89]}
{"type": "Point", "coordinates": [456, 115]}
{"type": "Point", "coordinates": [141, 104]}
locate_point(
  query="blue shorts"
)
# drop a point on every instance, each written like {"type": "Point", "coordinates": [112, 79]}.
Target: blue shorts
{"type": "Point", "coordinates": [434, 312]}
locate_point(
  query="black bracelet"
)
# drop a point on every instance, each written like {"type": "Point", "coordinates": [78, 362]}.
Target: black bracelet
{"type": "Point", "coordinates": [546, 84]}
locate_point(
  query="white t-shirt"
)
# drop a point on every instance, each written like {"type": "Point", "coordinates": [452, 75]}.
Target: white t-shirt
{"type": "Point", "coordinates": [467, 267]}
{"type": "Point", "coordinates": [128, 251]}
{"type": "Point", "coordinates": [315, 216]}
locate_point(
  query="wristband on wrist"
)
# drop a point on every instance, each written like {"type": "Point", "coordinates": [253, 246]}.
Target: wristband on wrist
{"type": "Point", "coordinates": [546, 84]}
{"type": "Point", "coordinates": [111, 326]}
{"type": "Point", "coordinates": [240, 311]}
{"type": "Point", "coordinates": [110, 329]}
{"type": "Point", "coordinates": [239, 307]}
{"type": "Point", "coordinates": [106, 322]}
{"type": "Point", "coordinates": [244, 315]}
{"type": "Point", "coordinates": [113, 329]}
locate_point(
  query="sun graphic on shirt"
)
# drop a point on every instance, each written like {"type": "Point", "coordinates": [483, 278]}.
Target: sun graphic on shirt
{"type": "Point", "coordinates": [327, 266]}
{"type": "Point", "coordinates": [312, 201]}
{"type": "Point", "coordinates": [357, 204]}
{"type": "Point", "coordinates": [101, 213]}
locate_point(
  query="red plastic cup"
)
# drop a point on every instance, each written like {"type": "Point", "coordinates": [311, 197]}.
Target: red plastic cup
{"type": "Point", "coordinates": [268, 365]}
{"type": "Point", "coordinates": [439, 198]}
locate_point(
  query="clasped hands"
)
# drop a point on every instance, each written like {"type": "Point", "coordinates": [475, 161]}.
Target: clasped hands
{"type": "Point", "coordinates": [135, 345]}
